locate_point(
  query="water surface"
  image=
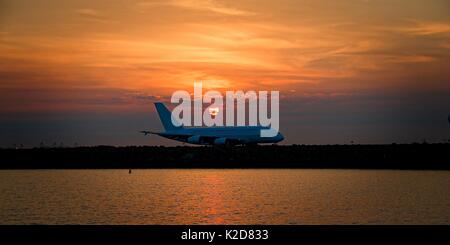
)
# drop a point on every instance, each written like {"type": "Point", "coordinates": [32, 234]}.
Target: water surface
{"type": "Point", "coordinates": [290, 196]}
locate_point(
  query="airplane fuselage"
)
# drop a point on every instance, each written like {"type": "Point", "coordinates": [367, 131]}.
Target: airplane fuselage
{"type": "Point", "coordinates": [221, 135]}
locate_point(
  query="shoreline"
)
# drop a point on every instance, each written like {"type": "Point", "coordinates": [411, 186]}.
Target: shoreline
{"type": "Point", "coordinates": [393, 156]}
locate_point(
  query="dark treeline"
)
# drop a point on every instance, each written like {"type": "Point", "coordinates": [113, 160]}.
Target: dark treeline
{"type": "Point", "coordinates": [405, 156]}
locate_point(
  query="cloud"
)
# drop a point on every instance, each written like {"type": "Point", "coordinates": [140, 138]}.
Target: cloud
{"type": "Point", "coordinates": [413, 59]}
{"type": "Point", "coordinates": [92, 15]}
{"type": "Point", "coordinates": [424, 28]}
{"type": "Point", "coordinates": [88, 12]}
{"type": "Point", "coordinates": [205, 5]}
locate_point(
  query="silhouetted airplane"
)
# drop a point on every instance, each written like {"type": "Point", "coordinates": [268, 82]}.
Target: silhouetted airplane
{"type": "Point", "coordinates": [236, 135]}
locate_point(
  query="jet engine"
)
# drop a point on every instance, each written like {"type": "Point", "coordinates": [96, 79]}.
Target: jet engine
{"type": "Point", "coordinates": [220, 141]}
{"type": "Point", "coordinates": [194, 139]}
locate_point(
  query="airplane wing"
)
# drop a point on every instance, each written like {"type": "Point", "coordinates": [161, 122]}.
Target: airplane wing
{"type": "Point", "coordinates": [147, 132]}
{"type": "Point", "coordinates": [205, 139]}
{"type": "Point", "coordinates": [197, 138]}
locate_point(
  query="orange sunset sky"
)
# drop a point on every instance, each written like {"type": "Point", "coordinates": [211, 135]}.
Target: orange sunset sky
{"type": "Point", "coordinates": [359, 70]}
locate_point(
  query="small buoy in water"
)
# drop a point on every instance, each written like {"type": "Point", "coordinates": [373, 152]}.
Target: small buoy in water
{"type": "Point", "coordinates": [129, 171]}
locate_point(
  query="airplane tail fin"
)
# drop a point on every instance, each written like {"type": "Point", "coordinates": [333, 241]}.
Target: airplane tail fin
{"type": "Point", "coordinates": [165, 116]}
